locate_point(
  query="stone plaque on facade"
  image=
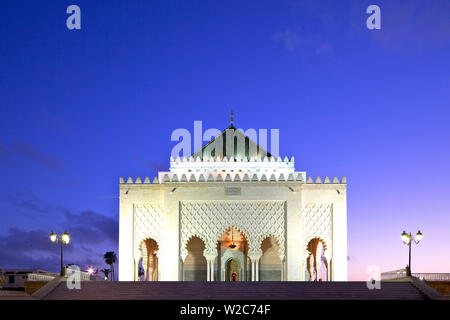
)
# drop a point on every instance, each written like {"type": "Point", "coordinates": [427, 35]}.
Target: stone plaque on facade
{"type": "Point", "coordinates": [232, 191]}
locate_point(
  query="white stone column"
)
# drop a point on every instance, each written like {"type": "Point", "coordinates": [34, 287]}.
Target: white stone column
{"type": "Point", "coordinates": [255, 265]}
{"type": "Point", "coordinates": [136, 270]}
{"type": "Point", "coordinates": [303, 268]}
{"type": "Point", "coordinates": [182, 270]}
{"type": "Point", "coordinates": [208, 272]}
{"type": "Point", "coordinates": [327, 257]}
{"type": "Point", "coordinates": [212, 270]}
{"type": "Point", "coordinates": [210, 258]}
{"type": "Point", "coordinates": [328, 274]}
{"type": "Point", "coordinates": [160, 265]}
{"type": "Point", "coordinates": [257, 270]}
{"type": "Point", "coordinates": [253, 270]}
{"type": "Point", "coordinates": [330, 270]}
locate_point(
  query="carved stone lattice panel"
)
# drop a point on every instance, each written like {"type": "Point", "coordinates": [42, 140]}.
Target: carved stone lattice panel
{"type": "Point", "coordinates": [316, 222]}
{"type": "Point", "coordinates": [256, 219]}
{"type": "Point", "coordinates": [148, 223]}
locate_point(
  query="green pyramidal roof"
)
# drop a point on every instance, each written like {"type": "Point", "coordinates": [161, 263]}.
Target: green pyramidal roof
{"type": "Point", "coordinates": [231, 142]}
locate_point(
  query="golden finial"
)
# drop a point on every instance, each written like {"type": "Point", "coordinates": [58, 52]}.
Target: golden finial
{"type": "Point", "coordinates": [232, 119]}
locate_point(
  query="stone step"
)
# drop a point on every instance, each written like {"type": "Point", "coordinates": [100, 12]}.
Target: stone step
{"type": "Point", "coordinates": [236, 291]}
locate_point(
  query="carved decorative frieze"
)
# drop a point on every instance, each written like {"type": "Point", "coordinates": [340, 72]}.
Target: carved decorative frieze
{"type": "Point", "coordinates": [316, 222]}
{"type": "Point", "coordinates": [148, 223]}
{"type": "Point", "coordinates": [256, 219]}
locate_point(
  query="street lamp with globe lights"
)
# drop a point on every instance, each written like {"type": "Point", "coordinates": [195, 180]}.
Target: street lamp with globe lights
{"type": "Point", "coordinates": [91, 271]}
{"type": "Point", "coordinates": [62, 239]}
{"type": "Point", "coordinates": [407, 239]}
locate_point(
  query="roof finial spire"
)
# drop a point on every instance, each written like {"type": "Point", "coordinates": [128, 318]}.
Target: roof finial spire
{"type": "Point", "coordinates": [231, 119]}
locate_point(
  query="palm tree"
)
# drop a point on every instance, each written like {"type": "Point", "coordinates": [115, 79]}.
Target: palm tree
{"type": "Point", "coordinates": [106, 272]}
{"type": "Point", "coordinates": [110, 258]}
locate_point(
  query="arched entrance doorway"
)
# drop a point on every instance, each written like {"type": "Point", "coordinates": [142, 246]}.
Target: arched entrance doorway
{"type": "Point", "coordinates": [149, 263]}
{"type": "Point", "coordinates": [270, 262]}
{"type": "Point", "coordinates": [232, 272]}
{"type": "Point", "coordinates": [232, 255]}
{"type": "Point", "coordinates": [317, 266]}
{"type": "Point", "coordinates": [195, 265]}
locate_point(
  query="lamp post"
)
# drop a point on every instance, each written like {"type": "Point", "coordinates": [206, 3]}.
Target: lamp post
{"type": "Point", "coordinates": [63, 238]}
{"type": "Point", "coordinates": [407, 239]}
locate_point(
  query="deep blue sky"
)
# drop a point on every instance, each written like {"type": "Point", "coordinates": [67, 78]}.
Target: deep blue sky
{"type": "Point", "coordinates": [78, 109]}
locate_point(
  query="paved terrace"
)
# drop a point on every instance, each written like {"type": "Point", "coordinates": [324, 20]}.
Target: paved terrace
{"type": "Point", "coordinates": [234, 291]}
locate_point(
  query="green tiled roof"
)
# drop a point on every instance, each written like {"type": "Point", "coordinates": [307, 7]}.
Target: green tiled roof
{"type": "Point", "coordinates": [251, 148]}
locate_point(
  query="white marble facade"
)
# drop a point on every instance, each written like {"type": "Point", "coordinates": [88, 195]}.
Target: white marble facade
{"type": "Point", "coordinates": [244, 199]}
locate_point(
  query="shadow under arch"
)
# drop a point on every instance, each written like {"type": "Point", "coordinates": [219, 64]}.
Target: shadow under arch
{"type": "Point", "coordinates": [195, 265]}
{"type": "Point", "coordinates": [149, 260]}
{"type": "Point", "coordinates": [270, 263]}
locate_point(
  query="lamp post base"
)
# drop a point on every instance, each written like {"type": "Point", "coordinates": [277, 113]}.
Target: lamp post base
{"type": "Point", "coordinates": [408, 271]}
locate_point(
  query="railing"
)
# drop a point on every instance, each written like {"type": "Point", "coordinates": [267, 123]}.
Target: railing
{"type": "Point", "coordinates": [40, 277]}
{"type": "Point", "coordinates": [401, 273]}
{"type": "Point", "coordinates": [433, 276]}
{"type": "Point", "coordinates": [394, 274]}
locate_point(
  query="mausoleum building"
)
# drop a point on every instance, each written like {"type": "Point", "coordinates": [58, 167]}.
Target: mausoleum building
{"type": "Point", "coordinates": [243, 215]}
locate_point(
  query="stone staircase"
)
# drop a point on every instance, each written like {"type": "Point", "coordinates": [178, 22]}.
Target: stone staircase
{"type": "Point", "coordinates": [236, 291]}
{"type": "Point", "coordinates": [13, 295]}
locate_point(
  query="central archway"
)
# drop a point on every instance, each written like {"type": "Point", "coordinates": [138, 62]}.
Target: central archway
{"type": "Point", "coordinates": [232, 272]}
{"type": "Point", "coordinates": [232, 248]}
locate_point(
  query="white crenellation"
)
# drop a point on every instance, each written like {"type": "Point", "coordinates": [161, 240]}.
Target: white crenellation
{"type": "Point", "coordinates": [166, 177]}
{"type": "Point", "coordinates": [228, 165]}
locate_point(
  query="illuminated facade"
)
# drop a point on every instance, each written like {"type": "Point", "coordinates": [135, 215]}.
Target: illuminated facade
{"type": "Point", "coordinates": [244, 215]}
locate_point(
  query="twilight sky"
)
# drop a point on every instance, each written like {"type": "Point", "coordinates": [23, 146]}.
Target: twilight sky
{"type": "Point", "coordinates": [78, 109]}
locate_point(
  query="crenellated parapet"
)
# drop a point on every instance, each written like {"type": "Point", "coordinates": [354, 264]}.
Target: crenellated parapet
{"type": "Point", "coordinates": [219, 159]}
{"type": "Point", "coordinates": [326, 180]}
{"type": "Point", "coordinates": [168, 177]}
{"type": "Point", "coordinates": [230, 165]}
